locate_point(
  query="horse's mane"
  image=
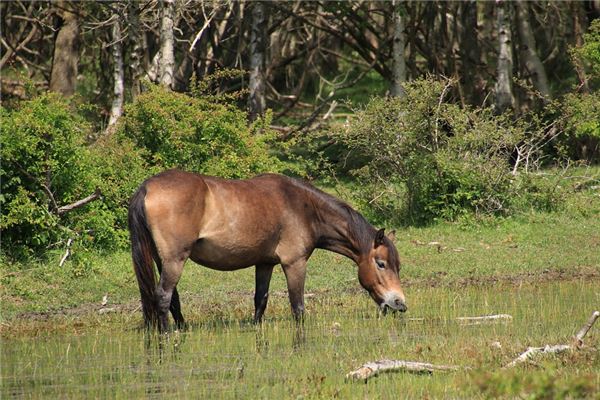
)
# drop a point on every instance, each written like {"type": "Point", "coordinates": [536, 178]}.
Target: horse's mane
{"type": "Point", "coordinates": [361, 232]}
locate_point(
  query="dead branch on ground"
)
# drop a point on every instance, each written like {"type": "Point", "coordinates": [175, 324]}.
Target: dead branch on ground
{"type": "Point", "coordinates": [371, 369]}
{"type": "Point", "coordinates": [559, 348]}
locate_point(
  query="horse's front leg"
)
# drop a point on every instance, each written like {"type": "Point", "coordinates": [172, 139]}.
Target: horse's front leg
{"type": "Point", "coordinates": [295, 274]}
{"type": "Point", "coordinates": [261, 295]}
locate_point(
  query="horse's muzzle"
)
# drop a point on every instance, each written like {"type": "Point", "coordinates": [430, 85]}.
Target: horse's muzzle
{"type": "Point", "coordinates": [394, 305]}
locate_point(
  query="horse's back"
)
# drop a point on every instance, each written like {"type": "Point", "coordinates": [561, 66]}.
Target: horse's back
{"type": "Point", "coordinates": [226, 223]}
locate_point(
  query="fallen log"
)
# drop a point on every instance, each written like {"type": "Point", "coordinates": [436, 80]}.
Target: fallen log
{"type": "Point", "coordinates": [556, 349]}
{"type": "Point", "coordinates": [374, 368]}
{"type": "Point", "coordinates": [484, 319]}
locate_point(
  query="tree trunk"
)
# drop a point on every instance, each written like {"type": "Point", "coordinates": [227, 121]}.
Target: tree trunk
{"type": "Point", "coordinates": [470, 54]}
{"type": "Point", "coordinates": [137, 47]}
{"type": "Point", "coordinates": [398, 61]}
{"type": "Point", "coordinates": [258, 45]}
{"type": "Point", "coordinates": [65, 59]}
{"type": "Point", "coordinates": [167, 44]}
{"type": "Point", "coordinates": [118, 74]}
{"type": "Point", "coordinates": [534, 66]}
{"type": "Point", "coordinates": [504, 88]}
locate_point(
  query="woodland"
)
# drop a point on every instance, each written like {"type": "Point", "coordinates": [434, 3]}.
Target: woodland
{"type": "Point", "coordinates": [422, 110]}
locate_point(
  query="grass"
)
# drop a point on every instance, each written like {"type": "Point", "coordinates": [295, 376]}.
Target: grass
{"type": "Point", "coordinates": [542, 268]}
{"type": "Point", "coordinates": [527, 247]}
{"type": "Point", "coordinates": [227, 357]}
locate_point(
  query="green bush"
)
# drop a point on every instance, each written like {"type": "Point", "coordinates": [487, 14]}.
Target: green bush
{"type": "Point", "coordinates": [429, 158]}
{"type": "Point", "coordinates": [47, 163]}
{"type": "Point", "coordinates": [198, 135]}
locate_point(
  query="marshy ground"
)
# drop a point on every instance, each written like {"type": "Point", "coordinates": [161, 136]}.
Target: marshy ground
{"type": "Point", "coordinates": [58, 340]}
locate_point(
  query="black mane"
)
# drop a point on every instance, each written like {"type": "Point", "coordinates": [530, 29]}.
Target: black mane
{"type": "Point", "coordinates": [360, 230]}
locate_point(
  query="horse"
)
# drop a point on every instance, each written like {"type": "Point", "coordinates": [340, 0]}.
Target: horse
{"type": "Point", "coordinates": [230, 224]}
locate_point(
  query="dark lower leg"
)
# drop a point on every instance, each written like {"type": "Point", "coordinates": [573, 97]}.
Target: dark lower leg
{"type": "Point", "coordinates": [176, 310]}
{"type": "Point", "coordinates": [261, 295]}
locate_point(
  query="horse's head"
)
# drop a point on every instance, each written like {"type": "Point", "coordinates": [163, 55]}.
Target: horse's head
{"type": "Point", "coordinates": [378, 272]}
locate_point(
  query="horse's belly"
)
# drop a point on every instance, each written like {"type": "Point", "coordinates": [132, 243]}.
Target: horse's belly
{"type": "Point", "coordinates": [224, 256]}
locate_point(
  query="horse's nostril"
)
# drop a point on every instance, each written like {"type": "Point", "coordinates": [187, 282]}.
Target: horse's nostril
{"type": "Point", "coordinates": [400, 305]}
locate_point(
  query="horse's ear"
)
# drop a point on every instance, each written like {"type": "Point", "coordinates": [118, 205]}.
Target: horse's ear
{"type": "Point", "coordinates": [392, 236]}
{"type": "Point", "coordinates": [379, 236]}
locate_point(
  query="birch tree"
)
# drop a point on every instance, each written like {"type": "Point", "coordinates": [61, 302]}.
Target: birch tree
{"type": "Point", "coordinates": [504, 88]}
{"type": "Point", "coordinates": [167, 44]}
{"type": "Point", "coordinates": [116, 108]}
{"type": "Point", "coordinates": [398, 61]}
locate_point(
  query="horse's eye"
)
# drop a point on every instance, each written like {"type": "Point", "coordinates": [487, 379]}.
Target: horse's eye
{"type": "Point", "coordinates": [380, 264]}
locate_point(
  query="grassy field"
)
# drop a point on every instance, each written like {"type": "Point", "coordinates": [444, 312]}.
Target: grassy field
{"type": "Point", "coordinates": [541, 268]}
{"type": "Point", "coordinates": [538, 246]}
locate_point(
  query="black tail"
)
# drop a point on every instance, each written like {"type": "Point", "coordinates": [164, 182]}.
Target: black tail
{"type": "Point", "coordinates": [142, 246]}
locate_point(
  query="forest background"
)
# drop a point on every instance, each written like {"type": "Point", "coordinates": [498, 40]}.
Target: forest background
{"type": "Point", "coordinates": [415, 112]}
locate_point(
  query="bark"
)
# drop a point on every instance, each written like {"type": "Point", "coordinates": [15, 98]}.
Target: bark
{"type": "Point", "coordinates": [470, 54]}
{"type": "Point", "coordinates": [534, 66]}
{"type": "Point", "coordinates": [118, 73]}
{"type": "Point", "coordinates": [504, 87]}
{"type": "Point", "coordinates": [137, 47]}
{"type": "Point", "coordinates": [63, 77]}
{"type": "Point", "coordinates": [258, 39]}
{"type": "Point", "coordinates": [398, 60]}
{"type": "Point", "coordinates": [167, 44]}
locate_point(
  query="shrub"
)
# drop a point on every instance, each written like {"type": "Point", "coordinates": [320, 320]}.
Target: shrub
{"type": "Point", "coordinates": [46, 163]}
{"type": "Point", "coordinates": [429, 158]}
{"type": "Point", "coordinates": [177, 130]}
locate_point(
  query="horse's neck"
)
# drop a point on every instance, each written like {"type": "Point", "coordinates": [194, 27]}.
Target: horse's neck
{"type": "Point", "coordinates": [335, 233]}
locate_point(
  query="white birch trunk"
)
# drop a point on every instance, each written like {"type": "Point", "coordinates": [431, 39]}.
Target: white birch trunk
{"type": "Point", "coordinates": [504, 88]}
{"type": "Point", "coordinates": [167, 44]}
{"type": "Point", "coordinates": [118, 74]}
{"type": "Point", "coordinates": [399, 62]}
{"type": "Point", "coordinates": [137, 42]}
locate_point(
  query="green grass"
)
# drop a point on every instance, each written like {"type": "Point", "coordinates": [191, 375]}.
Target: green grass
{"type": "Point", "coordinates": [559, 244]}
{"type": "Point", "coordinates": [224, 356]}
{"type": "Point", "coordinates": [542, 268]}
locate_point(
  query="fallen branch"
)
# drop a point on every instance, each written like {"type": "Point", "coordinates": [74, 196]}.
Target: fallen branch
{"type": "Point", "coordinates": [371, 369]}
{"type": "Point", "coordinates": [67, 253]}
{"type": "Point", "coordinates": [484, 319]}
{"type": "Point", "coordinates": [80, 203]}
{"type": "Point", "coordinates": [559, 348]}
{"type": "Point", "coordinates": [476, 320]}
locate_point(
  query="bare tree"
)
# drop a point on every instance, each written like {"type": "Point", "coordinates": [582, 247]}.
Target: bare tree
{"type": "Point", "coordinates": [534, 66]}
{"type": "Point", "coordinates": [258, 45]}
{"type": "Point", "coordinates": [398, 61]}
{"type": "Point", "coordinates": [167, 44]}
{"type": "Point", "coordinates": [65, 59]}
{"type": "Point", "coordinates": [504, 88]}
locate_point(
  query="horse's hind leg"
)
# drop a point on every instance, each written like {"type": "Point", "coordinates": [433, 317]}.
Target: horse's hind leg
{"type": "Point", "coordinates": [175, 305]}
{"type": "Point", "coordinates": [171, 272]}
{"type": "Point", "coordinates": [261, 295]}
{"type": "Point", "coordinates": [176, 310]}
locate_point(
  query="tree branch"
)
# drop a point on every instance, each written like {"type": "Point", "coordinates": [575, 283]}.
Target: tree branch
{"type": "Point", "coordinates": [65, 209]}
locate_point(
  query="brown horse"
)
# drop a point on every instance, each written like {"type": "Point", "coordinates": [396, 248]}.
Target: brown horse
{"type": "Point", "coordinates": [232, 224]}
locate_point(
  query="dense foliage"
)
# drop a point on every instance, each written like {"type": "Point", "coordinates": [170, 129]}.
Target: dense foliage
{"type": "Point", "coordinates": [178, 130]}
{"type": "Point", "coordinates": [429, 158]}
{"type": "Point", "coordinates": [48, 163]}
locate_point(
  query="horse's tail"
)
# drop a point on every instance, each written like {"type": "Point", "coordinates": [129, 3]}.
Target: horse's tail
{"type": "Point", "coordinates": [142, 247]}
